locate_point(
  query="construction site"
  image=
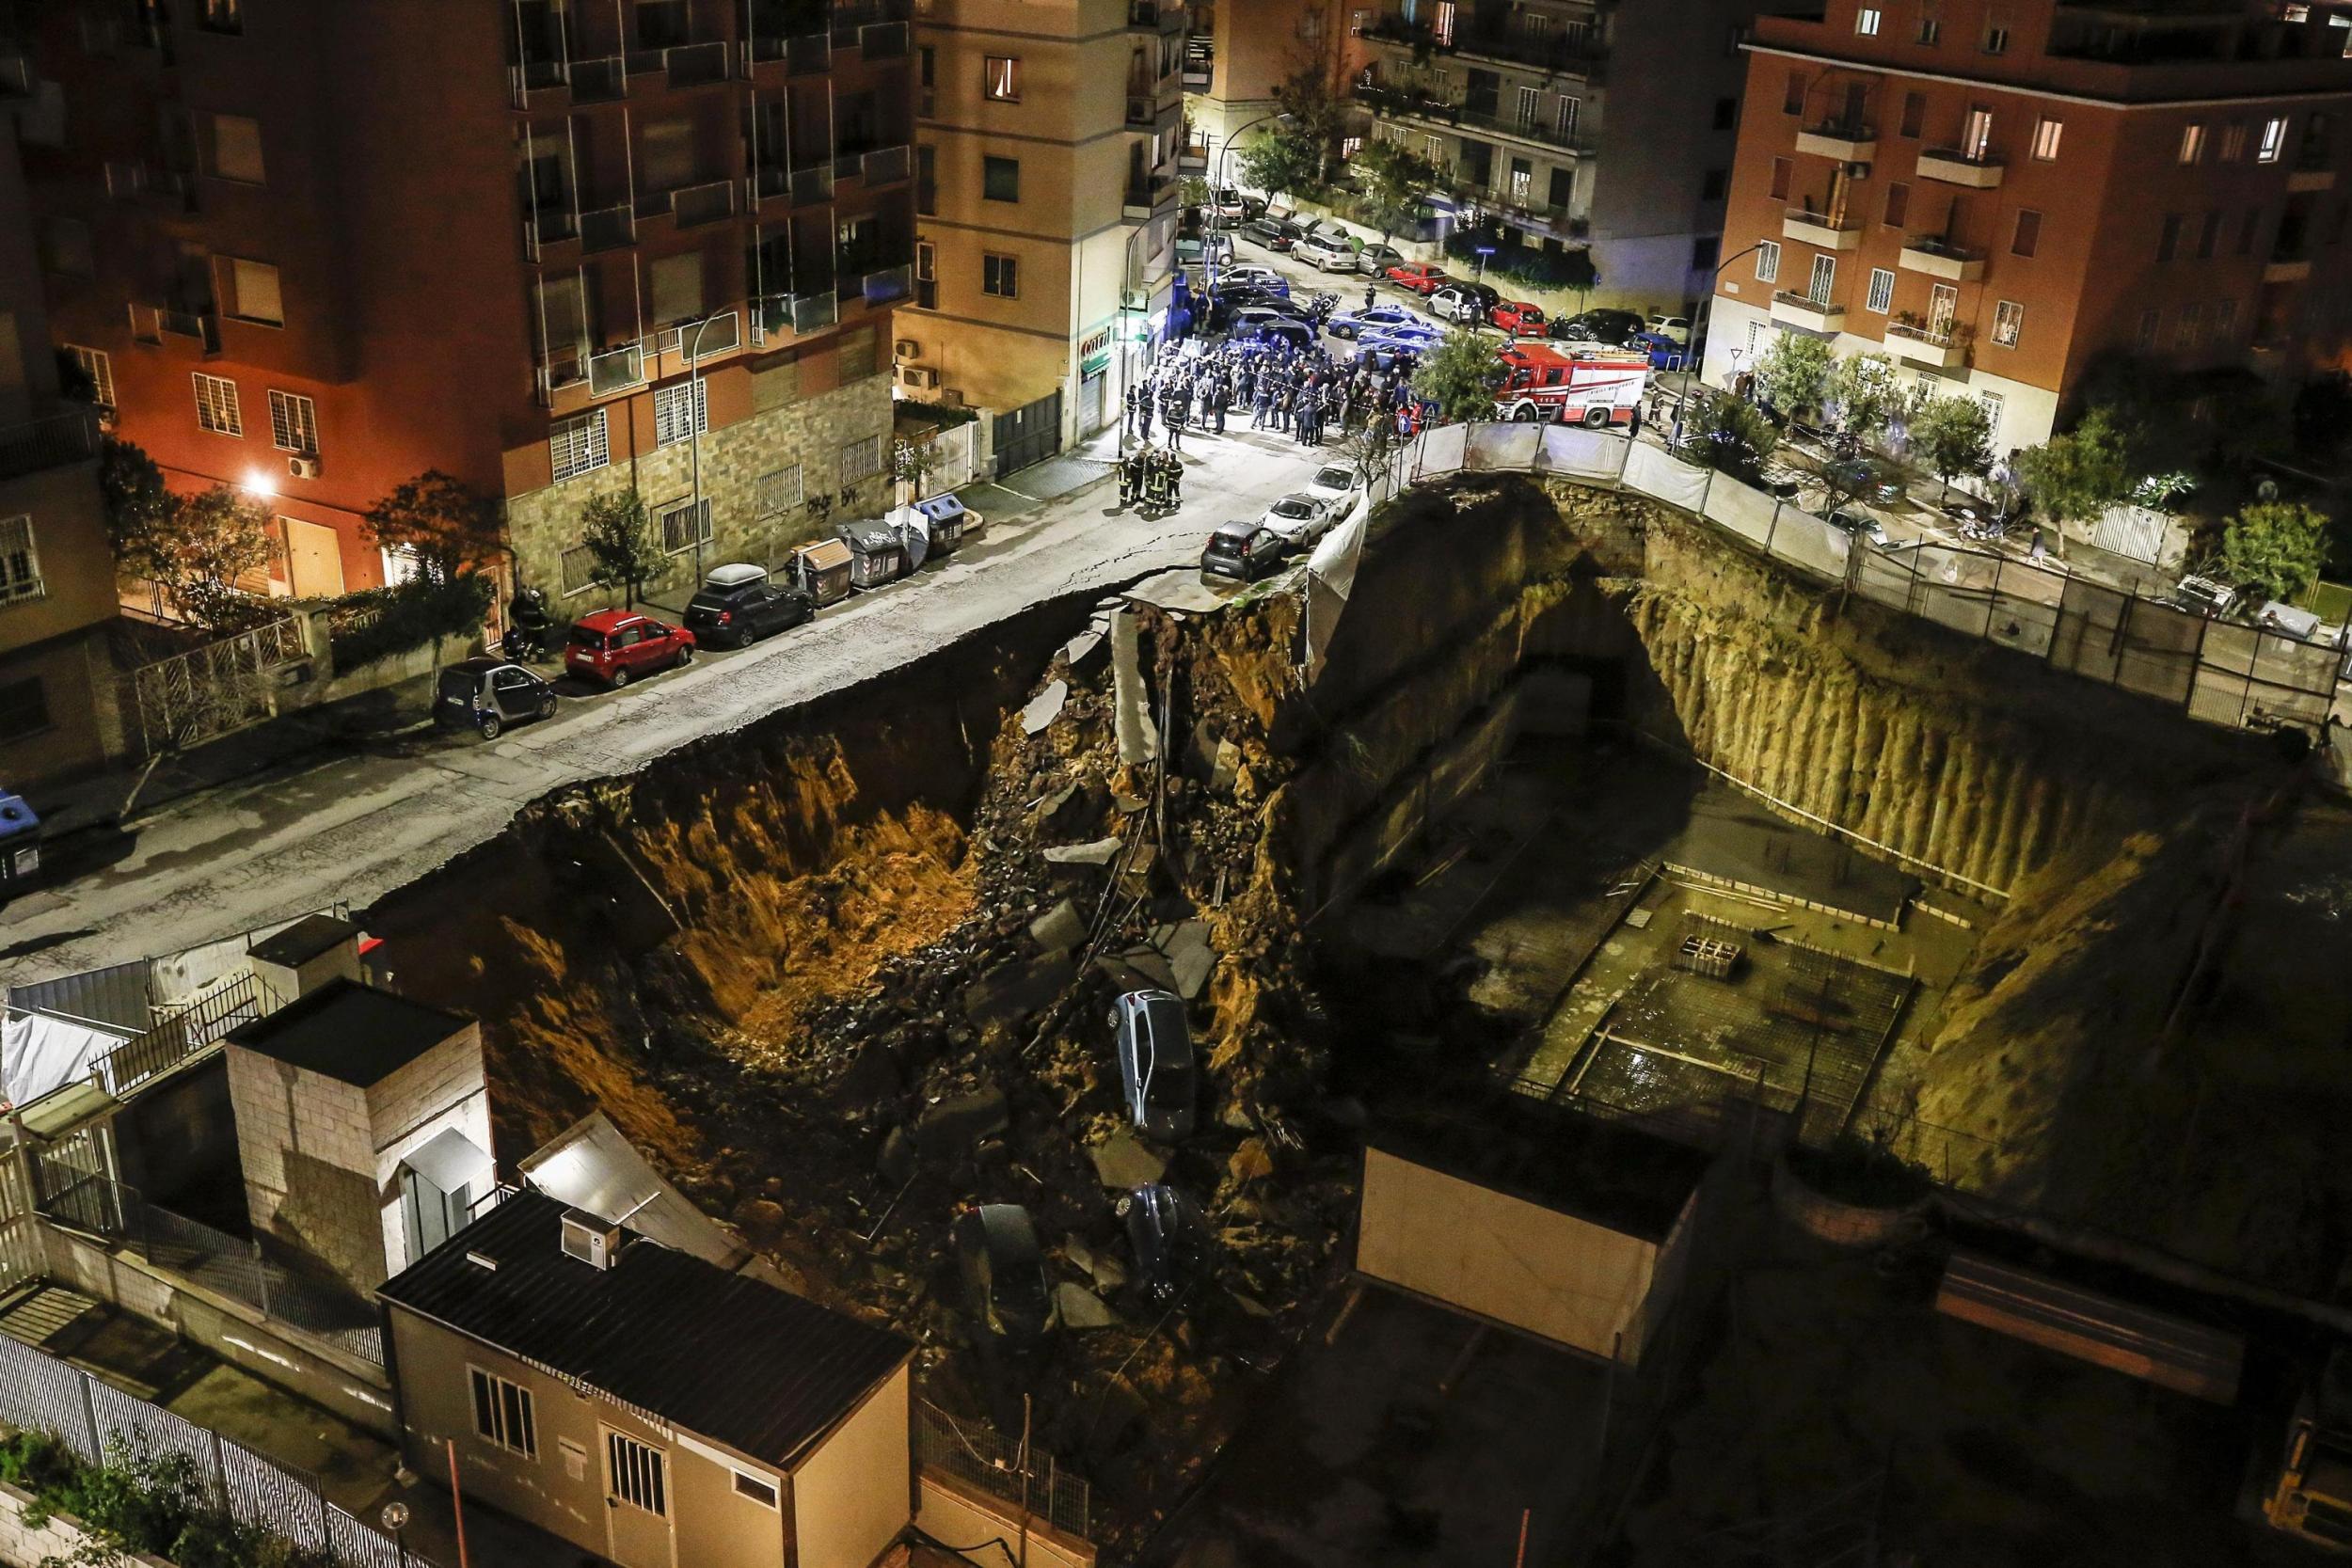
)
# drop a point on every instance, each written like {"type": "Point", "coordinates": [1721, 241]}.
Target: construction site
{"type": "Point", "coordinates": [1586, 827]}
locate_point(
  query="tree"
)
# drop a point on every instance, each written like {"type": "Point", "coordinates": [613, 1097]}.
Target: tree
{"type": "Point", "coordinates": [1866, 392]}
{"type": "Point", "coordinates": [220, 536]}
{"type": "Point", "coordinates": [2275, 549]}
{"type": "Point", "coordinates": [1732, 435]}
{"type": "Point", "coordinates": [1460, 375]}
{"type": "Point", "coordinates": [1793, 373]}
{"type": "Point", "coordinates": [911, 464]}
{"type": "Point", "coordinates": [619, 539]}
{"type": "Point", "coordinates": [1954, 434]}
{"type": "Point", "coordinates": [141, 513]}
{"type": "Point", "coordinates": [1282, 158]}
{"type": "Point", "coordinates": [1393, 178]}
{"type": "Point", "coordinates": [447, 524]}
{"type": "Point", "coordinates": [2074, 477]}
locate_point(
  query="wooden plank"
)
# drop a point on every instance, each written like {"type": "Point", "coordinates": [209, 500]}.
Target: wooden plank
{"type": "Point", "coordinates": [2155, 1347]}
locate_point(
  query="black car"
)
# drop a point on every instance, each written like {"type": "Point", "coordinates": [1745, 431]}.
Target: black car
{"type": "Point", "coordinates": [1170, 1240]}
{"type": "Point", "coordinates": [1610, 329]}
{"type": "Point", "coordinates": [1273, 233]}
{"type": "Point", "coordinates": [1267, 326]}
{"type": "Point", "coordinates": [1004, 1274]}
{"type": "Point", "coordinates": [739, 604]}
{"type": "Point", "coordinates": [488, 694]}
{"type": "Point", "coordinates": [1244, 550]}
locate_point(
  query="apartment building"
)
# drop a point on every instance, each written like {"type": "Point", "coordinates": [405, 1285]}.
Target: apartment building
{"type": "Point", "coordinates": [1046, 189]}
{"type": "Point", "coordinates": [2000, 193]}
{"type": "Point", "coordinates": [1240, 52]}
{"type": "Point", "coordinates": [1603, 125]}
{"type": "Point", "coordinates": [57, 709]}
{"type": "Point", "coordinates": [555, 247]}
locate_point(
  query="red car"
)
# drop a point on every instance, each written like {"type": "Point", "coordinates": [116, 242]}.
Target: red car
{"type": "Point", "coordinates": [1517, 315]}
{"type": "Point", "coordinates": [1420, 276]}
{"type": "Point", "coordinates": [615, 646]}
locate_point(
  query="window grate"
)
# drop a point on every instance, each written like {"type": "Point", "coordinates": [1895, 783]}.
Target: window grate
{"type": "Point", "coordinates": [216, 405]}
{"type": "Point", "coordinates": [294, 422]}
{"type": "Point", "coordinates": [686, 525]}
{"type": "Point", "coordinates": [681, 412]}
{"type": "Point", "coordinates": [577, 445]}
{"type": "Point", "coordinates": [861, 459]}
{"type": "Point", "coordinates": [778, 491]}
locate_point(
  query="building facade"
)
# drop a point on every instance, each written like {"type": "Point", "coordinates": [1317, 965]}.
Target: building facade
{"type": "Point", "coordinates": [1601, 125]}
{"type": "Point", "coordinates": [1046, 189]}
{"type": "Point", "coordinates": [58, 713]}
{"type": "Point", "coordinates": [550, 248]}
{"type": "Point", "coordinates": [2001, 196]}
{"type": "Point", "coordinates": [1239, 53]}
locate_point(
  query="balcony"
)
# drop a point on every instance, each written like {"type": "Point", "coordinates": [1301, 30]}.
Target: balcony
{"type": "Point", "coordinates": [706, 340]}
{"type": "Point", "coordinates": [599, 81]}
{"type": "Point", "coordinates": [1955, 167]}
{"type": "Point", "coordinates": [1821, 229]}
{"type": "Point", "coordinates": [888, 285]}
{"type": "Point", "coordinates": [1850, 144]}
{"type": "Point", "coordinates": [684, 65]}
{"type": "Point", "coordinates": [608, 228]}
{"type": "Point", "coordinates": [2300, 180]}
{"type": "Point", "coordinates": [1560, 56]}
{"type": "Point", "coordinates": [549, 227]}
{"type": "Point", "coordinates": [616, 370]}
{"type": "Point", "coordinates": [159, 324]}
{"type": "Point", "coordinates": [885, 40]}
{"type": "Point", "coordinates": [1435, 111]}
{"type": "Point", "coordinates": [797, 187]}
{"type": "Point", "coordinates": [1940, 258]}
{"type": "Point", "coordinates": [1143, 201]}
{"type": "Point", "coordinates": [809, 55]}
{"type": "Point", "coordinates": [1792, 308]}
{"type": "Point", "coordinates": [1923, 346]}
{"type": "Point", "coordinates": [48, 443]}
{"type": "Point", "coordinates": [695, 205]}
{"type": "Point", "coordinates": [1145, 112]}
{"type": "Point", "coordinates": [887, 165]}
{"type": "Point", "coordinates": [1151, 16]}
{"type": "Point", "coordinates": [2286, 266]}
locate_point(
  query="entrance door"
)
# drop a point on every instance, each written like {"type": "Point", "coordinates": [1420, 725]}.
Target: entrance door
{"type": "Point", "coordinates": [314, 560]}
{"type": "Point", "coordinates": [428, 1216]}
{"type": "Point", "coordinates": [1090, 403]}
{"type": "Point", "coordinates": [1823, 280]}
{"type": "Point", "coordinates": [1029, 434]}
{"type": "Point", "coordinates": [636, 1503]}
{"type": "Point", "coordinates": [1943, 303]}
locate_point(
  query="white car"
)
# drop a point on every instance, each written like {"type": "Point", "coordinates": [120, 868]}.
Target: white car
{"type": "Point", "coordinates": [1337, 484]}
{"type": "Point", "coordinates": [1377, 259]}
{"type": "Point", "coordinates": [1299, 519]}
{"type": "Point", "coordinates": [1674, 327]}
{"type": "Point", "coordinates": [1250, 274]}
{"type": "Point", "coordinates": [1325, 252]}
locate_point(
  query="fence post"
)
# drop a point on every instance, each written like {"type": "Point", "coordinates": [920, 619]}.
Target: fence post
{"type": "Point", "coordinates": [1772, 527]}
{"type": "Point", "coordinates": [1707, 488]}
{"type": "Point", "coordinates": [260, 1274]}
{"type": "Point", "coordinates": [220, 1472]}
{"type": "Point", "coordinates": [90, 1415]}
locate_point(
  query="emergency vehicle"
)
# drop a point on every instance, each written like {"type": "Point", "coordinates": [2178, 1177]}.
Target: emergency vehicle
{"type": "Point", "coordinates": [1598, 388]}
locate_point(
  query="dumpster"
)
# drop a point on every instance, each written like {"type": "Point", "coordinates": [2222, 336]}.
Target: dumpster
{"type": "Point", "coordinates": [947, 522]}
{"type": "Point", "coordinates": [877, 555]}
{"type": "Point", "coordinates": [821, 570]}
{"type": "Point", "coordinates": [19, 842]}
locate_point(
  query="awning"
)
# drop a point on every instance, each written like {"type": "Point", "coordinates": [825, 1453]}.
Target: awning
{"type": "Point", "coordinates": [450, 1163]}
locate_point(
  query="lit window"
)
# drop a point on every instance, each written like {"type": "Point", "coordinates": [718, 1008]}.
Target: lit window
{"type": "Point", "coordinates": [294, 422]}
{"type": "Point", "coordinates": [1768, 262]}
{"type": "Point", "coordinates": [2008, 319]}
{"type": "Point", "coordinates": [503, 1413]}
{"type": "Point", "coordinates": [1881, 290]}
{"type": "Point", "coordinates": [2193, 143]}
{"type": "Point", "coordinates": [99, 369]}
{"type": "Point", "coordinates": [252, 290]}
{"type": "Point", "coordinates": [577, 445]}
{"type": "Point", "coordinates": [681, 412]}
{"type": "Point", "coordinates": [1001, 80]}
{"type": "Point", "coordinates": [2046, 133]}
{"type": "Point", "coordinates": [236, 148]}
{"type": "Point", "coordinates": [1865, 21]}
{"type": "Point", "coordinates": [216, 405]}
{"type": "Point", "coordinates": [1000, 276]}
{"type": "Point", "coordinates": [2274, 140]}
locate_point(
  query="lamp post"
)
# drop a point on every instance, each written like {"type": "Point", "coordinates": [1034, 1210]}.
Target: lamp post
{"type": "Point", "coordinates": [1690, 370]}
{"type": "Point", "coordinates": [694, 427]}
{"type": "Point", "coordinates": [395, 1517]}
{"type": "Point", "coordinates": [1216, 186]}
{"type": "Point", "coordinates": [1126, 339]}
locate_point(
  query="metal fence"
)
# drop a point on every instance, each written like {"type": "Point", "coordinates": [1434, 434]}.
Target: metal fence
{"type": "Point", "coordinates": [972, 1450]}
{"type": "Point", "coordinates": [100, 1422]}
{"type": "Point", "coordinates": [214, 689]}
{"type": "Point", "coordinates": [235, 1268]}
{"type": "Point", "coordinates": [176, 1039]}
{"type": "Point", "coordinates": [2218, 672]}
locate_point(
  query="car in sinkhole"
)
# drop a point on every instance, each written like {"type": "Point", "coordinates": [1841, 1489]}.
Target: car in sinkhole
{"type": "Point", "coordinates": [1155, 1063]}
{"type": "Point", "coordinates": [1169, 1237]}
{"type": "Point", "coordinates": [1003, 1269]}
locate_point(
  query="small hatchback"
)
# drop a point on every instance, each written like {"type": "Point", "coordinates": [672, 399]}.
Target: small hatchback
{"type": "Point", "coordinates": [1326, 252]}
{"type": "Point", "coordinates": [1156, 1071]}
{"type": "Point", "coordinates": [615, 646]}
{"type": "Point", "coordinates": [1170, 1239]}
{"type": "Point", "coordinates": [1244, 550]}
{"type": "Point", "coordinates": [1420, 276]}
{"type": "Point", "coordinates": [1004, 1274]}
{"type": "Point", "coordinates": [488, 694]}
{"type": "Point", "coordinates": [1518, 316]}
{"type": "Point", "coordinates": [1463, 303]}
{"type": "Point", "coordinates": [739, 604]}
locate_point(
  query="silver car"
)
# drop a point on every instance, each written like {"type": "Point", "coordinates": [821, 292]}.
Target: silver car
{"type": "Point", "coordinates": [1377, 259]}
{"type": "Point", "coordinates": [1299, 519]}
{"type": "Point", "coordinates": [1155, 1065]}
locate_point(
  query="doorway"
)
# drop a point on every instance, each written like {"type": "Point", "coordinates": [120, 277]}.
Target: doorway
{"type": "Point", "coordinates": [636, 1503]}
{"type": "Point", "coordinates": [314, 560]}
{"type": "Point", "coordinates": [1028, 434]}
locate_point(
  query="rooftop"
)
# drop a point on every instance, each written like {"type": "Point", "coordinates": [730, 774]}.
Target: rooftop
{"type": "Point", "coordinates": [305, 940]}
{"type": "Point", "coordinates": [349, 1031]}
{"type": "Point", "coordinates": [729, 1358]}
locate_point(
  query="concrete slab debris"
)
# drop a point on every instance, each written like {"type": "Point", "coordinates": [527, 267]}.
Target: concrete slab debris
{"type": "Point", "coordinates": [1045, 707]}
{"type": "Point", "coordinates": [1110, 1275]}
{"type": "Point", "coordinates": [962, 1120]}
{"type": "Point", "coordinates": [1082, 1309]}
{"type": "Point", "coordinates": [1138, 968]}
{"type": "Point", "coordinates": [1099, 851]}
{"type": "Point", "coordinates": [1081, 647]}
{"type": "Point", "coordinates": [1013, 991]}
{"type": "Point", "coordinates": [1059, 929]}
{"type": "Point", "coordinates": [1123, 1164]}
{"type": "Point", "coordinates": [1138, 738]}
{"type": "Point", "coordinates": [1078, 1254]}
{"type": "Point", "coordinates": [1227, 767]}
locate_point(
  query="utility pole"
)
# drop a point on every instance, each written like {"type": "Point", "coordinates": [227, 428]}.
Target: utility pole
{"type": "Point", "coordinates": [1023, 1562]}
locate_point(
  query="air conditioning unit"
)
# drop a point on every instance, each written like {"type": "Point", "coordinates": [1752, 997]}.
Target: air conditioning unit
{"type": "Point", "coordinates": [952, 397]}
{"type": "Point", "coordinates": [919, 375]}
{"type": "Point", "coordinates": [907, 348]}
{"type": "Point", "coordinates": [1857, 171]}
{"type": "Point", "coordinates": [592, 1240]}
{"type": "Point", "coordinates": [302, 467]}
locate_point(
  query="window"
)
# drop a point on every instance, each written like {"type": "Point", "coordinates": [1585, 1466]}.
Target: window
{"type": "Point", "coordinates": [65, 248]}
{"type": "Point", "coordinates": [2224, 317]}
{"type": "Point", "coordinates": [1768, 262]}
{"type": "Point", "coordinates": [1530, 105]}
{"type": "Point", "coordinates": [1727, 113]}
{"type": "Point", "coordinates": [2233, 141]}
{"type": "Point", "coordinates": [1000, 276]}
{"type": "Point", "coordinates": [777, 491]}
{"type": "Point", "coordinates": [20, 562]}
{"type": "Point", "coordinates": [1995, 40]}
{"type": "Point", "coordinates": [759, 1491]}
{"type": "Point", "coordinates": [1991, 403]}
{"type": "Point", "coordinates": [1563, 119]}
{"type": "Point", "coordinates": [2248, 230]}
{"type": "Point", "coordinates": [23, 709]}
{"type": "Point", "coordinates": [635, 1474]}
{"type": "Point", "coordinates": [1914, 113]}
{"type": "Point", "coordinates": [1881, 290]}
{"type": "Point", "coordinates": [1705, 252]}
{"type": "Point", "coordinates": [2151, 323]}
{"type": "Point", "coordinates": [1792, 98]}
{"type": "Point", "coordinates": [577, 445]}
{"type": "Point", "coordinates": [1897, 204]}
{"type": "Point", "coordinates": [294, 422]}
{"type": "Point", "coordinates": [1930, 31]}
{"type": "Point", "coordinates": [681, 412]}
{"type": "Point", "coordinates": [2008, 319]}
{"type": "Point", "coordinates": [1000, 79]}
{"type": "Point", "coordinates": [2274, 140]}
{"type": "Point", "coordinates": [926, 67]}
{"type": "Point", "coordinates": [861, 459]}
{"type": "Point", "coordinates": [675, 283]}
{"type": "Point", "coordinates": [1711, 185]}
{"type": "Point", "coordinates": [579, 570]}
{"type": "Point", "coordinates": [222, 16]}
{"type": "Point", "coordinates": [2191, 323]}
{"type": "Point", "coordinates": [99, 369]}
{"type": "Point", "coordinates": [1781, 169]}
{"type": "Point", "coordinates": [2047, 135]}
{"type": "Point", "coordinates": [2169, 242]}
{"type": "Point", "coordinates": [1000, 179]}
{"type": "Point", "coordinates": [503, 1413]}
{"type": "Point", "coordinates": [1824, 279]}
{"type": "Point", "coordinates": [1865, 21]}
{"type": "Point", "coordinates": [235, 145]}
{"type": "Point", "coordinates": [2192, 143]}
{"type": "Point", "coordinates": [2209, 232]}
{"type": "Point", "coordinates": [252, 292]}
{"type": "Point", "coordinates": [1975, 134]}
{"type": "Point", "coordinates": [686, 525]}
{"type": "Point", "coordinates": [216, 405]}
{"type": "Point", "coordinates": [2028, 235]}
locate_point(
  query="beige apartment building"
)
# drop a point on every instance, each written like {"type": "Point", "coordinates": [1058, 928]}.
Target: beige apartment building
{"type": "Point", "coordinates": [1045, 198]}
{"type": "Point", "coordinates": [1241, 52]}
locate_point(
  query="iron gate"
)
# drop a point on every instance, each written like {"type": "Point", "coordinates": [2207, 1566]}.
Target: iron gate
{"type": "Point", "coordinates": [1028, 434]}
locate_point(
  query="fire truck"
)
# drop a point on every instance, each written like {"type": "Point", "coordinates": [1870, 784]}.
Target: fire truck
{"type": "Point", "coordinates": [1598, 388]}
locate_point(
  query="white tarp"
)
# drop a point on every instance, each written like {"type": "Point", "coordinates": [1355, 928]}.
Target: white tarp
{"type": "Point", "coordinates": [1806, 541]}
{"type": "Point", "coordinates": [1514, 447]}
{"type": "Point", "coordinates": [1582, 454]}
{"type": "Point", "coordinates": [39, 1053]}
{"type": "Point", "coordinates": [1439, 451]}
{"type": "Point", "coordinates": [1330, 578]}
{"type": "Point", "coordinates": [1746, 512]}
{"type": "Point", "coordinates": [1652, 471]}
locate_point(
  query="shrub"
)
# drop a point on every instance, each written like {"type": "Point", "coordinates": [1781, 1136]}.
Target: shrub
{"type": "Point", "coordinates": [377, 623]}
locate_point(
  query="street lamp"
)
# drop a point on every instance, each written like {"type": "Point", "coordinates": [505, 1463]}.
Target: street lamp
{"type": "Point", "coordinates": [1689, 368]}
{"type": "Point", "coordinates": [695, 426]}
{"type": "Point", "coordinates": [1216, 186]}
{"type": "Point", "coordinates": [1126, 338]}
{"type": "Point", "coordinates": [395, 1517]}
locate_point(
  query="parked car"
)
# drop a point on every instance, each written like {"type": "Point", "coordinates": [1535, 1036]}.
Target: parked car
{"type": "Point", "coordinates": [1004, 1274]}
{"type": "Point", "coordinates": [1341, 484]}
{"type": "Point", "coordinates": [1420, 276]}
{"type": "Point", "coordinates": [1266, 326]}
{"type": "Point", "coordinates": [1375, 259]}
{"type": "Point", "coordinates": [1236, 205]}
{"type": "Point", "coordinates": [2204, 596]}
{"type": "Point", "coordinates": [1242, 296]}
{"type": "Point", "coordinates": [1253, 275]}
{"type": "Point", "coordinates": [1155, 1067]}
{"type": "Point", "coordinates": [1610, 328]}
{"type": "Point", "coordinates": [1273, 233]}
{"type": "Point", "coordinates": [1521, 316]}
{"type": "Point", "coordinates": [739, 604]}
{"type": "Point", "coordinates": [1246, 550]}
{"type": "Point", "coordinates": [1329, 251]}
{"type": "Point", "coordinates": [1463, 303]}
{"type": "Point", "coordinates": [1354, 324]}
{"type": "Point", "coordinates": [1300, 519]}
{"type": "Point", "coordinates": [1196, 251]}
{"type": "Point", "coordinates": [1169, 1237]}
{"type": "Point", "coordinates": [1415, 337]}
{"type": "Point", "coordinates": [488, 694]}
{"type": "Point", "coordinates": [1862, 525]}
{"type": "Point", "coordinates": [1382, 358]}
{"type": "Point", "coordinates": [615, 646]}
{"type": "Point", "coordinates": [1674, 327]}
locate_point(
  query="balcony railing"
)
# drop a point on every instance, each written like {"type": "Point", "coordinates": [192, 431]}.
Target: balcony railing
{"type": "Point", "coordinates": [714, 335]}
{"type": "Point", "coordinates": [1415, 106]}
{"type": "Point", "coordinates": [152, 324]}
{"type": "Point", "coordinates": [887, 165]}
{"type": "Point", "coordinates": [600, 81]}
{"type": "Point", "coordinates": [1978, 171]}
{"type": "Point", "coordinates": [617, 369]}
{"type": "Point", "coordinates": [807, 55]}
{"type": "Point", "coordinates": [608, 228]}
{"type": "Point", "coordinates": [1939, 257]}
{"type": "Point", "coordinates": [1561, 55]}
{"type": "Point", "coordinates": [48, 443]}
{"type": "Point", "coordinates": [705, 203]}
{"type": "Point", "coordinates": [685, 65]}
{"type": "Point", "coordinates": [775, 315]}
{"type": "Point", "coordinates": [885, 40]}
{"type": "Point", "coordinates": [1142, 199]}
{"type": "Point", "coordinates": [535, 76]}
{"type": "Point", "coordinates": [1151, 16]}
{"type": "Point", "coordinates": [547, 227]}
{"type": "Point", "coordinates": [890, 283]}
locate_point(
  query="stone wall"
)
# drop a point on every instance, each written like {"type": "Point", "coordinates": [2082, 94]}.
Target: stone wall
{"type": "Point", "coordinates": [784, 429]}
{"type": "Point", "coordinates": [60, 1536]}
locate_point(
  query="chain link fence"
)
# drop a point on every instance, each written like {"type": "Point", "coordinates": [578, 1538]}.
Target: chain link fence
{"type": "Point", "coordinates": [973, 1451]}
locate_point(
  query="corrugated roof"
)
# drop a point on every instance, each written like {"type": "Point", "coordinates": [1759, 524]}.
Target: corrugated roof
{"type": "Point", "coordinates": [349, 1031]}
{"type": "Point", "coordinates": [592, 1166]}
{"type": "Point", "coordinates": [722, 1357]}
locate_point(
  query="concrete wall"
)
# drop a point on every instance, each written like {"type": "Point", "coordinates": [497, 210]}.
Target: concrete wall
{"type": "Point", "coordinates": [56, 1538]}
{"type": "Point", "coordinates": [309, 1158]}
{"type": "Point", "coordinates": [852, 1497]}
{"type": "Point", "coordinates": [444, 1088]}
{"type": "Point", "coordinates": [947, 1510]}
{"type": "Point", "coordinates": [1562, 1278]}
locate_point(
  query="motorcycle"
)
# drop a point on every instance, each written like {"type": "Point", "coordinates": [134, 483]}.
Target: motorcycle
{"type": "Point", "coordinates": [1319, 307]}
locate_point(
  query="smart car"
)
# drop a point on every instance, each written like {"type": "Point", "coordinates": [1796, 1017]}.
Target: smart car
{"type": "Point", "coordinates": [1155, 1067]}
{"type": "Point", "coordinates": [614, 647]}
{"type": "Point", "coordinates": [1420, 276]}
{"type": "Point", "coordinates": [488, 694]}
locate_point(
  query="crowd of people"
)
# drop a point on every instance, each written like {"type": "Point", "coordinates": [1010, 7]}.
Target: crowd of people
{"type": "Point", "coordinates": [1305, 393]}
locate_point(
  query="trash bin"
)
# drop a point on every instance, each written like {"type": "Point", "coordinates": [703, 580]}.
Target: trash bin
{"type": "Point", "coordinates": [19, 842]}
{"type": "Point", "coordinates": [875, 555]}
{"type": "Point", "coordinates": [822, 570]}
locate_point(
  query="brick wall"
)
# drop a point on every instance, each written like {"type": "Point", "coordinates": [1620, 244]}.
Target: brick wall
{"type": "Point", "coordinates": [309, 1158]}
{"type": "Point", "coordinates": [444, 1088]}
{"type": "Point", "coordinates": [787, 426]}
{"type": "Point", "coordinates": [23, 1547]}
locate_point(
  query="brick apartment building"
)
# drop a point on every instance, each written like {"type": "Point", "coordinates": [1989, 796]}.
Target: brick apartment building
{"type": "Point", "coordinates": [553, 246]}
{"type": "Point", "coordinates": [1999, 193]}
{"type": "Point", "coordinates": [1045, 185]}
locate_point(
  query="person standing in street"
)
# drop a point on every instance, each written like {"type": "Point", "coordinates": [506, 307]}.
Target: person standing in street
{"type": "Point", "coordinates": [1371, 297]}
